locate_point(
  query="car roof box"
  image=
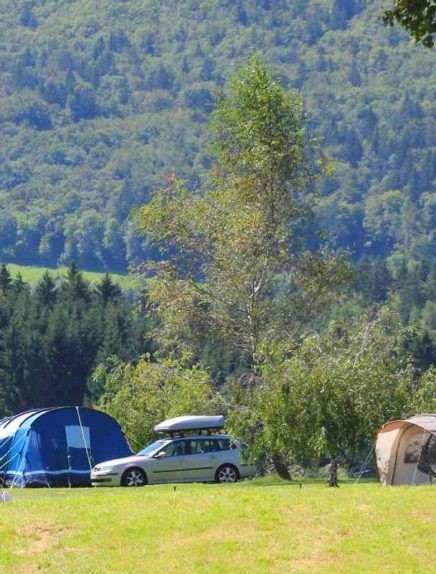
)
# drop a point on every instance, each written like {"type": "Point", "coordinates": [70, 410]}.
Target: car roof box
{"type": "Point", "coordinates": [190, 423]}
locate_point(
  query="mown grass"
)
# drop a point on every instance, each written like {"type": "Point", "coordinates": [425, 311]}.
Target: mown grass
{"type": "Point", "coordinates": [32, 275]}
{"type": "Point", "coordinates": [254, 527]}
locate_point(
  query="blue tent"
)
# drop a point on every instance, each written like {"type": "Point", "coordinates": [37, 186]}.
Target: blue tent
{"type": "Point", "coordinates": [57, 446]}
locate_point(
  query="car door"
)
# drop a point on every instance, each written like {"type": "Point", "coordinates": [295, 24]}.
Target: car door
{"type": "Point", "coordinates": [168, 464]}
{"type": "Point", "coordinates": [202, 459]}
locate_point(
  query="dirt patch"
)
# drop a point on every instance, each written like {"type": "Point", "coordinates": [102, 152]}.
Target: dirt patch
{"type": "Point", "coordinates": [38, 541]}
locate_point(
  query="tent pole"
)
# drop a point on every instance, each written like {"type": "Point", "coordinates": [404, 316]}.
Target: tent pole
{"type": "Point", "coordinates": [69, 466]}
{"type": "Point", "coordinates": [13, 445]}
{"type": "Point", "coordinates": [15, 481]}
{"type": "Point", "coordinates": [84, 440]}
{"type": "Point", "coordinates": [363, 468]}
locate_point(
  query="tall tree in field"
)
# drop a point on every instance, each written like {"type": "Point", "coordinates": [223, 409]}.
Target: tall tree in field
{"type": "Point", "coordinates": [234, 262]}
{"type": "Point", "coordinates": [329, 398]}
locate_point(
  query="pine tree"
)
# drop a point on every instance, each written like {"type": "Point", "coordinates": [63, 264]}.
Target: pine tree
{"type": "Point", "coordinates": [27, 17]}
{"type": "Point", "coordinates": [343, 10]}
{"type": "Point", "coordinates": [18, 284]}
{"type": "Point", "coordinates": [74, 287]}
{"type": "Point", "coordinates": [15, 369]}
{"type": "Point", "coordinates": [107, 290]}
{"type": "Point", "coordinates": [99, 47]}
{"type": "Point", "coordinates": [70, 81]}
{"type": "Point", "coordinates": [5, 279]}
{"type": "Point", "coordinates": [46, 290]}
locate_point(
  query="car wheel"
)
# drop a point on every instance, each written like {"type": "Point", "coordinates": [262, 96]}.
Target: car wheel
{"type": "Point", "coordinates": [226, 473]}
{"type": "Point", "coordinates": [134, 477]}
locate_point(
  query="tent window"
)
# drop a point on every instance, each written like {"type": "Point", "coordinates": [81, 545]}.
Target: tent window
{"type": "Point", "coordinates": [412, 452]}
{"type": "Point", "coordinates": [77, 437]}
{"type": "Point", "coordinates": [430, 451]}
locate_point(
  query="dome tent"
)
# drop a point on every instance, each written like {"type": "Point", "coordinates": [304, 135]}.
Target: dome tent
{"type": "Point", "coordinates": [406, 451]}
{"type": "Point", "coordinates": [57, 446]}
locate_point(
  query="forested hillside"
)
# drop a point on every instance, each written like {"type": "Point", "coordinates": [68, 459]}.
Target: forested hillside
{"type": "Point", "coordinates": [100, 99]}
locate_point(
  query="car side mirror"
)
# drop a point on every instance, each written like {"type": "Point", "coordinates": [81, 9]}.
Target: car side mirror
{"type": "Point", "coordinates": [161, 454]}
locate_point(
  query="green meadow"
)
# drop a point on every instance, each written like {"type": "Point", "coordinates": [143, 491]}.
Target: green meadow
{"type": "Point", "coordinates": [260, 526]}
{"type": "Point", "coordinates": [32, 275]}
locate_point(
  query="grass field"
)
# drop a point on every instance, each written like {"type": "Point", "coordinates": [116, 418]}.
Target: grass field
{"type": "Point", "coordinates": [32, 275]}
{"type": "Point", "coordinates": [253, 527]}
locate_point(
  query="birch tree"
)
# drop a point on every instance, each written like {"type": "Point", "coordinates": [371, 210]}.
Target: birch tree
{"type": "Point", "coordinates": [234, 260]}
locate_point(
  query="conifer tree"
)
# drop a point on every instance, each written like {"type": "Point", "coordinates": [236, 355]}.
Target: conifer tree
{"type": "Point", "coordinates": [5, 279]}
{"type": "Point", "coordinates": [18, 283]}
{"type": "Point", "coordinates": [107, 290]}
{"type": "Point", "coordinates": [74, 286]}
{"type": "Point", "coordinates": [46, 290]}
{"type": "Point", "coordinates": [27, 17]}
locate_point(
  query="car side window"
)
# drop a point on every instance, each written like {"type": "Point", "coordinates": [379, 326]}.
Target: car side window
{"type": "Point", "coordinates": [197, 446]}
{"type": "Point", "coordinates": [176, 448]}
{"type": "Point", "coordinates": [223, 444]}
{"type": "Point", "coordinates": [202, 446]}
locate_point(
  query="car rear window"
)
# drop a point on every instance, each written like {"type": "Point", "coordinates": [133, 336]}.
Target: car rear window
{"type": "Point", "coordinates": [223, 444]}
{"type": "Point", "coordinates": [201, 446]}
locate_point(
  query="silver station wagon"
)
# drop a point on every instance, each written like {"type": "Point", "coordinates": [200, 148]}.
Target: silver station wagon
{"type": "Point", "coordinates": [194, 452]}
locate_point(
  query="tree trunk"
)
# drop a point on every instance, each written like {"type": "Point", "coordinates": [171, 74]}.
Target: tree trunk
{"type": "Point", "coordinates": [281, 467]}
{"type": "Point", "coordinates": [333, 480]}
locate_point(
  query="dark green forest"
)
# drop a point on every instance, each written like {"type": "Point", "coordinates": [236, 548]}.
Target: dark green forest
{"type": "Point", "coordinates": [53, 336]}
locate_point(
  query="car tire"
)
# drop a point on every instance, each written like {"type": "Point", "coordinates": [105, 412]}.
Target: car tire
{"type": "Point", "coordinates": [226, 473]}
{"type": "Point", "coordinates": [134, 477]}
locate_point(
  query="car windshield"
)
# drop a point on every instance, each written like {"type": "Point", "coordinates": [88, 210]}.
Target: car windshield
{"type": "Point", "coordinates": [153, 447]}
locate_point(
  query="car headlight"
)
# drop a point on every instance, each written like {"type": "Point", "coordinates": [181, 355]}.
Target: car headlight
{"type": "Point", "coordinates": [104, 469]}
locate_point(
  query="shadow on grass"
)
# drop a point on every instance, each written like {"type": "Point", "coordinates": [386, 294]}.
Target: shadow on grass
{"type": "Point", "coordinates": [300, 482]}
